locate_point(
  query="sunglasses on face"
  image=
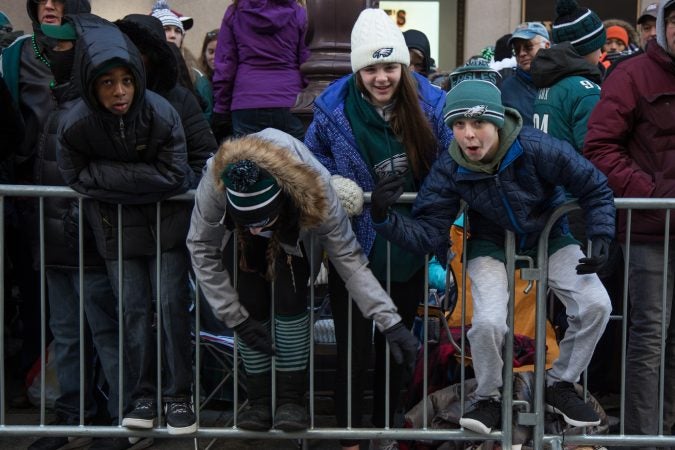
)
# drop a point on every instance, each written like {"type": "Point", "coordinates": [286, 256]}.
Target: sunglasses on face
{"type": "Point", "coordinates": [528, 47]}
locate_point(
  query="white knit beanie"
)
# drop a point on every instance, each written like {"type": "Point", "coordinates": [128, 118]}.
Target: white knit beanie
{"type": "Point", "coordinates": [376, 39]}
{"type": "Point", "coordinates": [162, 11]}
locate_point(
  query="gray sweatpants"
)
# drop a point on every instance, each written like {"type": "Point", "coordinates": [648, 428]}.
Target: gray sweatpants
{"type": "Point", "coordinates": [585, 299]}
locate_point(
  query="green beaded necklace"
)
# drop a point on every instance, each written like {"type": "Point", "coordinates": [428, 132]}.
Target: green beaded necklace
{"type": "Point", "coordinates": [41, 57]}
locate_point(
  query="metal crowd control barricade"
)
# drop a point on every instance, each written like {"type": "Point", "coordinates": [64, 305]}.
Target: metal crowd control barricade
{"type": "Point", "coordinates": [533, 416]}
{"type": "Point", "coordinates": [540, 439]}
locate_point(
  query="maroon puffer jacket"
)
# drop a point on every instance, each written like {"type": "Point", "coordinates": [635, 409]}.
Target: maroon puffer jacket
{"type": "Point", "coordinates": [631, 137]}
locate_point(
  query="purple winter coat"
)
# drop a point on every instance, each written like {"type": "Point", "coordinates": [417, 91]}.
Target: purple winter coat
{"type": "Point", "coordinates": [261, 46]}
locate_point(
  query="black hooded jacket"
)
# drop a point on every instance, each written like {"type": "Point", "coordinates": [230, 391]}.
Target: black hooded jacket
{"type": "Point", "coordinates": [161, 68]}
{"type": "Point", "coordinates": [11, 124]}
{"type": "Point", "coordinates": [36, 98]}
{"type": "Point", "coordinates": [561, 61]}
{"type": "Point", "coordinates": [135, 159]}
{"type": "Point", "coordinates": [41, 105]}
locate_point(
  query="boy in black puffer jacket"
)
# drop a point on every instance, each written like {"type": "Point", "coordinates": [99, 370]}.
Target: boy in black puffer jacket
{"type": "Point", "coordinates": [122, 144]}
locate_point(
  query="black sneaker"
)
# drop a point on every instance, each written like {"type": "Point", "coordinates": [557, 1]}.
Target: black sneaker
{"type": "Point", "coordinates": [143, 416]}
{"type": "Point", "coordinates": [60, 443]}
{"type": "Point", "coordinates": [563, 399]}
{"type": "Point", "coordinates": [486, 415]}
{"type": "Point", "coordinates": [180, 419]}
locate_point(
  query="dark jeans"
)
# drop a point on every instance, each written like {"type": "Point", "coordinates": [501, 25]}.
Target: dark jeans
{"type": "Point", "coordinates": [247, 121]}
{"type": "Point", "coordinates": [140, 290]}
{"type": "Point", "coordinates": [100, 309]}
{"type": "Point", "coordinates": [406, 296]}
{"type": "Point", "coordinates": [643, 355]}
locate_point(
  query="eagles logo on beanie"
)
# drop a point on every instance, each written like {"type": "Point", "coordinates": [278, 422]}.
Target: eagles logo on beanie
{"type": "Point", "coordinates": [162, 11]}
{"type": "Point", "coordinates": [474, 99]}
{"type": "Point", "coordinates": [376, 39]}
{"type": "Point", "coordinates": [580, 26]}
{"type": "Point", "coordinates": [253, 195]}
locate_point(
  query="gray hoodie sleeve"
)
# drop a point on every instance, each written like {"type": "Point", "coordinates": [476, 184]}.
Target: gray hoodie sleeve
{"type": "Point", "coordinates": [206, 240]}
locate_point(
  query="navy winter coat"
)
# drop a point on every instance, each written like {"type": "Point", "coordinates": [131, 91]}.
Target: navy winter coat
{"type": "Point", "coordinates": [520, 197]}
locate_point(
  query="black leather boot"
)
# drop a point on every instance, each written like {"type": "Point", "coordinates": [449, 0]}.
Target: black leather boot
{"type": "Point", "coordinates": [258, 413]}
{"type": "Point", "coordinates": [291, 413]}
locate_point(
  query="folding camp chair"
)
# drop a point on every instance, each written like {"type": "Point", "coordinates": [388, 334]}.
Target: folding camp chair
{"type": "Point", "coordinates": [215, 364]}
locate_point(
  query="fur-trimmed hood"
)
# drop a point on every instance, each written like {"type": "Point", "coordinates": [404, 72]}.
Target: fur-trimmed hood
{"type": "Point", "coordinates": [299, 181]}
{"type": "Point", "coordinates": [304, 180]}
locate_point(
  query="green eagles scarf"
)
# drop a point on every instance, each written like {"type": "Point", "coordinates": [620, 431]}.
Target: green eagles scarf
{"type": "Point", "coordinates": [383, 154]}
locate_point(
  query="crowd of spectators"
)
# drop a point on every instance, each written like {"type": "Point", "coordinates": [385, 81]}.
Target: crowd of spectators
{"type": "Point", "coordinates": [123, 114]}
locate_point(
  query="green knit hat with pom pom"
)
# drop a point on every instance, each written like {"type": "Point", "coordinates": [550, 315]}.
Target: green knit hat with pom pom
{"type": "Point", "coordinates": [579, 26]}
{"type": "Point", "coordinates": [253, 195]}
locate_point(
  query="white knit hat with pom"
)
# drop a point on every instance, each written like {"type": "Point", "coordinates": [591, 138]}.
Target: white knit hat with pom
{"type": "Point", "coordinates": [376, 39]}
{"type": "Point", "coordinates": [162, 11]}
{"type": "Point", "coordinates": [349, 193]}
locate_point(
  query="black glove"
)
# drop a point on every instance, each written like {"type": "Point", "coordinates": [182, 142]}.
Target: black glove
{"type": "Point", "coordinates": [221, 125]}
{"type": "Point", "coordinates": [385, 194]}
{"type": "Point", "coordinates": [402, 344]}
{"type": "Point", "coordinates": [598, 258]}
{"type": "Point", "coordinates": [255, 335]}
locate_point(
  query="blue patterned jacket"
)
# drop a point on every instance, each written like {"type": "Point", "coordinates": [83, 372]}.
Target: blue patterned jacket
{"type": "Point", "coordinates": [331, 139]}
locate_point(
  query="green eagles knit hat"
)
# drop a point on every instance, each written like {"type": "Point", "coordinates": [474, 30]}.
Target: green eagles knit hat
{"type": "Point", "coordinates": [476, 68]}
{"type": "Point", "coordinates": [474, 99]}
{"type": "Point", "coordinates": [253, 195]}
{"type": "Point", "coordinates": [580, 26]}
